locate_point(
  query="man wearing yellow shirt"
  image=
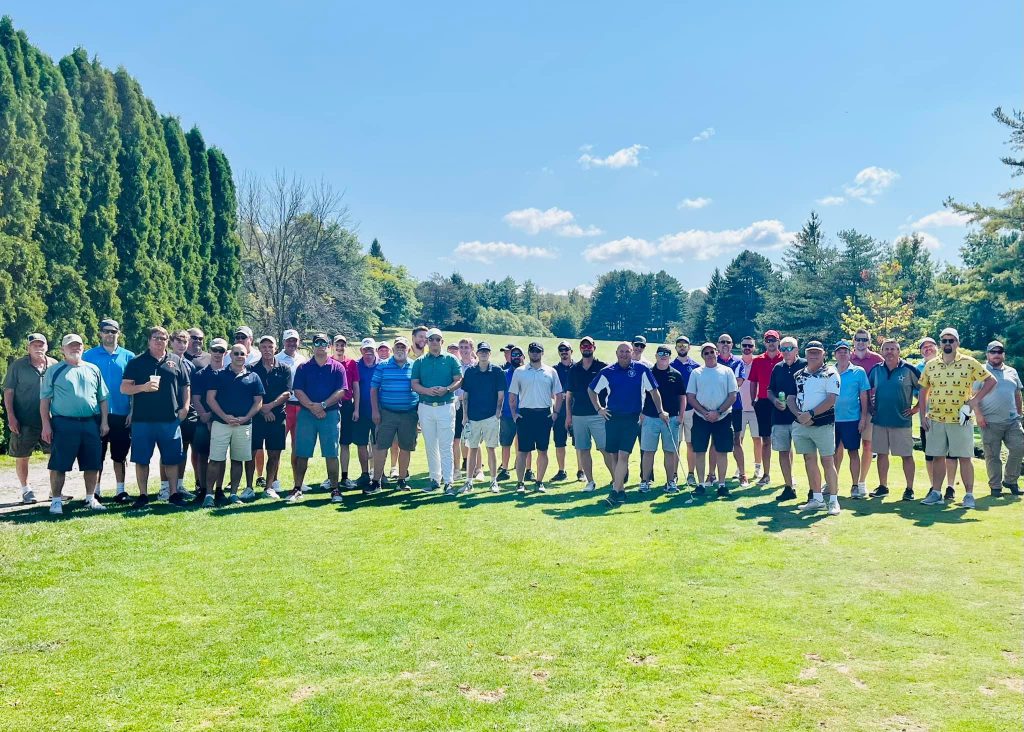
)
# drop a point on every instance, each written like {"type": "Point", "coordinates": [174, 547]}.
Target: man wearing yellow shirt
{"type": "Point", "coordinates": [945, 390]}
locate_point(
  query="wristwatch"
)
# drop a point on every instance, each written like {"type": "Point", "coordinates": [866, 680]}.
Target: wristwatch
{"type": "Point", "coordinates": [323, 405]}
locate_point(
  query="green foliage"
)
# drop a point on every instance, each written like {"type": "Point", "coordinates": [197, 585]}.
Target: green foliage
{"type": "Point", "coordinates": [492, 320]}
{"type": "Point", "coordinates": [740, 297]}
{"type": "Point", "coordinates": [226, 247]}
{"type": "Point", "coordinates": [887, 312]}
{"type": "Point", "coordinates": [627, 303]}
{"type": "Point", "coordinates": [397, 288]}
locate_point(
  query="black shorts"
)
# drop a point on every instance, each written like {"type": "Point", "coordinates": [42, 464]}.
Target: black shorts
{"type": "Point", "coordinates": [763, 409]}
{"type": "Point", "coordinates": [346, 412]}
{"type": "Point", "coordinates": [736, 420]}
{"type": "Point", "coordinates": [119, 438]}
{"type": "Point", "coordinates": [717, 433]}
{"type": "Point", "coordinates": [533, 428]}
{"type": "Point", "coordinates": [188, 433]}
{"type": "Point", "coordinates": [360, 432]}
{"type": "Point", "coordinates": [201, 439]}
{"type": "Point", "coordinates": [75, 439]}
{"type": "Point", "coordinates": [561, 434]}
{"type": "Point", "coordinates": [458, 422]}
{"type": "Point", "coordinates": [507, 432]}
{"type": "Point", "coordinates": [621, 432]}
{"type": "Point", "coordinates": [268, 435]}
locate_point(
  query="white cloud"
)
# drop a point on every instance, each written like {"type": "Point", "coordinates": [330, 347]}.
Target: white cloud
{"type": "Point", "coordinates": [938, 220]}
{"type": "Point", "coordinates": [488, 251]}
{"type": "Point", "coordinates": [534, 221]}
{"type": "Point", "coordinates": [585, 289]}
{"type": "Point", "coordinates": [620, 249]}
{"type": "Point", "coordinates": [831, 201]}
{"type": "Point", "coordinates": [706, 134]}
{"type": "Point", "coordinates": [575, 230]}
{"type": "Point", "coordinates": [870, 183]}
{"type": "Point", "coordinates": [692, 244]}
{"type": "Point", "coordinates": [627, 157]}
{"type": "Point", "coordinates": [699, 202]}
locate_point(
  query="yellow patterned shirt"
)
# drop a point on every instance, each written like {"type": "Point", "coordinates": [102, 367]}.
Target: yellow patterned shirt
{"type": "Point", "coordinates": [949, 385]}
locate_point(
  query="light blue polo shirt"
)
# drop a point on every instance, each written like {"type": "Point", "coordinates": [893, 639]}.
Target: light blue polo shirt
{"type": "Point", "coordinates": [111, 366]}
{"type": "Point", "coordinates": [852, 383]}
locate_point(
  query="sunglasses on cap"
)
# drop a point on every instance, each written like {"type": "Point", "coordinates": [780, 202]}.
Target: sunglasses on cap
{"type": "Point", "coordinates": [787, 349]}
{"type": "Point", "coordinates": [995, 350]}
{"type": "Point", "coordinates": [948, 341]}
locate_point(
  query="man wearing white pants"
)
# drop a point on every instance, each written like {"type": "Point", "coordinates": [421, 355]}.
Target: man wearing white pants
{"type": "Point", "coordinates": [435, 377]}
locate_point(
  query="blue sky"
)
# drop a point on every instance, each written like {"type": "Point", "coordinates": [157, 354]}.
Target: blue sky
{"type": "Point", "coordinates": [559, 140]}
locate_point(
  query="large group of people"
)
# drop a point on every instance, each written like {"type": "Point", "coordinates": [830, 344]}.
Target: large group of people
{"type": "Point", "coordinates": [241, 402]}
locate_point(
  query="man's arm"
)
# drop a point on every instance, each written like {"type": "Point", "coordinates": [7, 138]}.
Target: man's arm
{"type": "Point", "coordinates": [211, 399]}
{"type": "Point", "coordinates": [186, 398]}
{"type": "Point", "coordinates": [257, 404]}
{"type": "Point", "coordinates": [501, 402]}
{"type": "Point", "coordinates": [513, 405]}
{"type": "Point", "coordinates": [656, 398]}
{"type": "Point", "coordinates": [44, 412]}
{"type": "Point", "coordinates": [374, 405]}
{"type": "Point", "coordinates": [12, 421]}
{"type": "Point", "coordinates": [729, 401]}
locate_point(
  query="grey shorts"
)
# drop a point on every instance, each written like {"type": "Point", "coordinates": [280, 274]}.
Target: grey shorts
{"type": "Point", "coordinates": [950, 440]}
{"type": "Point", "coordinates": [782, 437]}
{"type": "Point", "coordinates": [653, 430]}
{"type": "Point", "coordinates": [810, 439]}
{"type": "Point", "coordinates": [585, 428]}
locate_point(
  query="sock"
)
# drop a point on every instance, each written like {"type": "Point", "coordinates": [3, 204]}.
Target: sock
{"type": "Point", "coordinates": [862, 484]}
{"type": "Point", "coordinates": [120, 488]}
{"type": "Point", "coordinates": [344, 475]}
{"type": "Point", "coordinates": [181, 484]}
{"type": "Point", "coordinates": [833, 498]}
{"type": "Point", "coordinates": [817, 496]}
{"type": "Point", "coordinates": [24, 488]}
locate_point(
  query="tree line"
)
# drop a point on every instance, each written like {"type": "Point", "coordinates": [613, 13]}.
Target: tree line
{"type": "Point", "coordinates": [107, 208]}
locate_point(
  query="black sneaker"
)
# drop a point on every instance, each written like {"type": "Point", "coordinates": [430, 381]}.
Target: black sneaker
{"type": "Point", "coordinates": [372, 489]}
{"type": "Point", "coordinates": [140, 502]}
{"type": "Point", "coordinates": [723, 491]}
{"type": "Point", "coordinates": [122, 497]}
{"type": "Point", "coordinates": [810, 495]}
{"type": "Point", "coordinates": [177, 499]}
{"type": "Point", "coordinates": [908, 494]}
{"type": "Point", "coordinates": [699, 490]}
{"type": "Point", "coordinates": [502, 474]}
{"type": "Point", "coordinates": [787, 494]}
{"type": "Point", "coordinates": [520, 487]}
{"type": "Point", "coordinates": [614, 499]}
{"type": "Point", "coordinates": [950, 494]}
{"type": "Point", "coordinates": [1014, 488]}
{"type": "Point", "coordinates": [336, 496]}
{"type": "Point", "coordinates": [364, 481]}
{"type": "Point", "coordinates": [402, 485]}
{"type": "Point", "coordinates": [879, 492]}
{"type": "Point", "coordinates": [580, 476]}
{"type": "Point", "coordinates": [997, 491]}
{"type": "Point", "coordinates": [200, 496]}
{"type": "Point", "coordinates": [559, 476]}
{"type": "Point", "coordinates": [540, 487]}
{"type": "Point", "coordinates": [261, 482]}
{"type": "Point", "coordinates": [529, 477]}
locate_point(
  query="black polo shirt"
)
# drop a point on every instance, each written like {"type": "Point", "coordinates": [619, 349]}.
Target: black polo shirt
{"type": "Point", "coordinates": [162, 405]}
{"type": "Point", "coordinates": [235, 392]}
{"type": "Point", "coordinates": [782, 381]}
{"type": "Point", "coordinates": [579, 380]}
{"type": "Point", "coordinates": [276, 381]}
{"type": "Point", "coordinates": [563, 377]}
{"type": "Point", "coordinates": [670, 386]}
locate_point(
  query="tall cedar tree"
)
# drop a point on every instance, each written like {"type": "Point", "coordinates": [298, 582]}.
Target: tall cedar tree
{"type": "Point", "coordinates": [202, 199]}
{"type": "Point", "coordinates": [226, 250]}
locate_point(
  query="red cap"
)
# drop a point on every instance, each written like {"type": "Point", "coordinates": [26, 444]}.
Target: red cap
{"type": "Point", "coordinates": [773, 333]}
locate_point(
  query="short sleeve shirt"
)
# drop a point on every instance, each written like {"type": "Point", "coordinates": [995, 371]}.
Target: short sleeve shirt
{"type": "Point", "coordinates": [482, 387]}
{"type": "Point", "coordinates": [319, 382]}
{"type": "Point", "coordinates": [161, 405]}
{"type": "Point", "coordinates": [670, 387]}
{"type": "Point", "coordinates": [563, 376]}
{"type": "Point", "coordinates": [25, 380]}
{"type": "Point", "coordinates": [626, 387]}
{"type": "Point", "coordinates": [236, 391]}
{"type": "Point", "coordinates": [894, 394]}
{"type": "Point", "coordinates": [740, 369]}
{"type": "Point", "coordinates": [579, 379]}
{"type": "Point", "coordinates": [365, 384]}
{"type": "Point", "coordinates": [1000, 404]}
{"type": "Point", "coordinates": [761, 373]}
{"type": "Point", "coordinates": [393, 382]}
{"type": "Point", "coordinates": [867, 362]}
{"type": "Point", "coordinates": [276, 381]}
{"type": "Point", "coordinates": [949, 385]}
{"type": "Point", "coordinates": [685, 367]}
{"type": "Point", "coordinates": [440, 370]}
{"type": "Point", "coordinates": [292, 362]}
{"type": "Point", "coordinates": [112, 367]}
{"type": "Point", "coordinates": [852, 383]}
{"type": "Point", "coordinates": [712, 386]}
{"type": "Point", "coordinates": [535, 387]}
{"type": "Point", "coordinates": [746, 389]}
{"type": "Point", "coordinates": [813, 388]}
{"type": "Point", "coordinates": [782, 382]}
{"type": "Point", "coordinates": [74, 391]}
{"type": "Point", "coordinates": [352, 377]}
{"type": "Point", "coordinates": [202, 381]}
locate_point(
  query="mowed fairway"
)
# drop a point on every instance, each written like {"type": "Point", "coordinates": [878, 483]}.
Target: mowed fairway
{"type": "Point", "coordinates": [553, 612]}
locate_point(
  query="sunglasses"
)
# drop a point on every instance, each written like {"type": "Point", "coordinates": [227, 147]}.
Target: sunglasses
{"type": "Point", "coordinates": [771, 340]}
{"type": "Point", "coordinates": [662, 354]}
{"type": "Point", "coordinates": [565, 350]}
{"type": "Point", "coordinates": [320, 344]}
{"type": "Point", "coordinates": [641, 346]}
{"type": "Point", "coordinates": [240, 336]}
{"type": "Point", "coordinates": [218, 350]}
{"type": "Point", "coordinates": [996, 350]}
{"type": "Point", "coordinates": [195, 338]}
{"type": "Point", "coordinates": [787, 349]}
{"type": "Point", "coordinates": [725, 343]}
{"type": "Point", "coordinates": [861, 340]}
{"type": "Point", "coordinates": [238, 353]}
{"type": "Point", "coordinates": [434, 338]}
{"type": "Point", "coordinates": [746, 345]}
{"type": "Point", "coordinates": [947, 341]}
{"type": "Point", "coordinates": [109, 332]}
{"type": "Point", "coordinates": [707, 352]}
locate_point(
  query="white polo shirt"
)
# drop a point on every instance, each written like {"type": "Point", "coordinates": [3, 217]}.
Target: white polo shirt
{"type": "Point", "coordinates": [535, 387]}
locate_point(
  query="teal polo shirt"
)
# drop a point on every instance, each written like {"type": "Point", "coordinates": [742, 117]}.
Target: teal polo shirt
{"type": "Point", "coordinates": [440, 370]}
{"type": "Point", "coordinates": [76, 391]}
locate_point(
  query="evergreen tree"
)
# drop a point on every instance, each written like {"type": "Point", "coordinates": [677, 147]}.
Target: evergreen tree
{"type": "Point", "coordinates": [741, 298]}
{"type": "Point", "coordinates": [858, 258]}
{"type": "Point", "coordinates": [186, 259]}
{"type": "Point", "coordinates": [21, 150]}
{"type": "Point", "coordinates": [202, 199]}
{"type": "Point", "coordinates": [706, 327]}
{"type": "Point", "coordinates": [375, 250]}
{"type": "Point", "coordinates": [226, 250]}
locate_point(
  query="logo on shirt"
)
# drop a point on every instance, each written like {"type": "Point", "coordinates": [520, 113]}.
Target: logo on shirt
{"type": "Point", "coordinates": [631, 372]}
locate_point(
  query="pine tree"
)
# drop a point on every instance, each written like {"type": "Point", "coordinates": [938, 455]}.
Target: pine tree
{"type": "Point", "coordinates": [185, 258]}
{"type": "Point", "coordinates": [742, 296]}
{"type": "Point", "coordinates": [855, 272]}
{"type": "Point", "coordinates": [376, 251]}
{"type": "Point", "coordinates": [202, 199]}
{"type": "Point", "coordinates": [707, 327]}
{"type": "Point", "coordinates": [227, 249]}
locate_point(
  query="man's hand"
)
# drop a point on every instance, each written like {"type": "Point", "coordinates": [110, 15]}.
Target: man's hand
{"type": "Point", "coordinates": [206, 418]}
{"type": "Point", "coordinates": [233, 420]}
{"type": "Point", "coordinates": [47, 434]}
{"type": "Point", "coordinates": [318, 411]}
{"type": "Point", "coordinates": [355, 416]}
{"type": "Point", "coordinates": [713, 415]}
{"type": "Point", "coordinates": [780, 405]}
{"type": "Point", "coordinates": [664, 417]}
{"type": "Point", "coordinates": [104, 428]}
{"type": "Point", "coordinates": [152, 386]}
{"type": "Point", "coordinates": [980, 418]}
{"type": "Point", "coordinates": [804, 418]}
{"type": "Point", "coordinates": [12, 422]}
{"type": "Point", "coordinates": [926, 424]}
{"type": "Point", "coordinates": [375, 418]}
{"type": "Point", "coordinates": [268, 416]}
{"type": "Point", "coordinates": [182, 413]}
{"type": "Point", "coordinates": [603, 411]}
{"type": "Point", "coordinates": [128, 420]}
{"type": "Point", "coordinates": [568, 421]}
{"type": "Point", "coordinates": [863, 424]}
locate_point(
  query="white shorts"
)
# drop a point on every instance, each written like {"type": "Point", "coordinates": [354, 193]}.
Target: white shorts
{"type": "Point", "coordinates": [481, 432]}
{"type": "Point", "coordinates": [237, 438]}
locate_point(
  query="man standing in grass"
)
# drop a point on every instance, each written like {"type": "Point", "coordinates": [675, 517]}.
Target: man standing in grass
{"type": "Point", "coordinates": [236, 397]}
{"type": "Point", "coordinates": [111, 360]}
{"type": "Point", "coordinates": [1002, 411]}
{"type": "Point", "coordinates": [467, 360]}
{"type": "Point", "coordinates": [204, 379]}
{"type": "Point", "coordinates": [893, 385]}
{"type": "Point", "coordinates": [627, 383]}
{"type": "Point", "coordinates": [507, 428]}
{"type": "Point", "coordinates": [669, 383]}
{"type": "Point", "coordinates": [349, 408]}
{"type": "Point", "coordinates": [759, 376]}
{"type": "Point", "coordinates": [851, 414]}
{"type": "Point", "coordinates": [580, 414]}
{"type": "Point", "coordinates": [319, 385]}
{"type": "Point", "coordinates": [867, 359]}
{"type": "Point", "coordinates": [558, 428]}
{"type": "Point", "coordinates": [73, 408]}
{"type": "Point", "coordinates": [483, 387]}
{"type": "Point", "coordinates": [268, 426]}
{"type": "Point", "coordinates": [711, 392]}
{"type": "Point", "coordinates": [726, 358]}
{"type": "Point", "coordinates": [814, 434]}
{"type": "Point", "coordinates": [362, 428]}
{"type": "Point", "coordinates": [161, 392]}
{"type": "Point", "coordinates": [393, 405]}
{"type": "Point", "coordinates": [291, 357]}
{"type": "Point", "coordinates": [945, 390]}
{"type": "Point", "coordinates": [781, 386]}
{"type": "Point", "coordinates": [748, 415]}
{"type": "Point", "coordinates": [21, 399]}
{"type": "Point", "coordinates": [179, 347]}
{"type": "Point", "coordinates": [435, 377]}
{"type": "Point", "coordinates": [685, 366]}
{"type": "Point", "coordinates": [531, 392]}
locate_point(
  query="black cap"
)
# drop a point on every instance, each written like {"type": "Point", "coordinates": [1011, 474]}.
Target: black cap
{"type": "Point", "coordinates": [639, 340]}
{"type": "Point", "coordinates": [508, 347]}
{"type": "Point", "coordinates": [536, 347]}
{"type": "Point", "coordinates": [483, 346]}
{"type": "Point", "coordinates": [814, 344]}
{"type": "Point", "coordinates": [321, 337]}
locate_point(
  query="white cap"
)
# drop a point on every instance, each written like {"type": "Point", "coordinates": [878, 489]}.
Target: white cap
{"type": "Point", "coordinates": [434, 332]}
{"type": "Point", "coordinates": [949, 331]}
{"type": "Point", "coordinates": [368, 343]}
{"type": "Point", "coordinates": [71, 338]}
{"type": "Point", "coordinates": [291, 334]}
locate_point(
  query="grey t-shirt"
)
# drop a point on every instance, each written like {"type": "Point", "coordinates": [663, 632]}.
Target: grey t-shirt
{"type": "Point", "coordinates": [712, 386]}
{"type": "Point", "coordinates": [1000, 404]}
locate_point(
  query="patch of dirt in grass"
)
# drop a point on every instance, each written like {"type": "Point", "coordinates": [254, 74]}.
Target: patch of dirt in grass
{"type": "Point", "coordinates": [1013, 684]}
{"type": "Point", "coordinates": [801, 691]}
{"type": "Point", "coordinates": [1012, 657]}
{"type": "Point", "coordinates": [302, 693]}
{"type": "Point", "coordinates": [899, 723]}
{"type": "Point", "coordinates": [813, 657]}
{"type": "Point", "coordinates": [540, 676]}
{"type": "Point", "coordinates": [811, 672]}
{"type": "Point", "coordinates": [987, 691]}
{"type": "Point", "coordinates": [488, 697]}
{"type": "Point", "coordinates": [217, 718]}
{"type": "Point", "coordinates": [845, 671]}
{"type": "Point", "coordinates": [642, 659]}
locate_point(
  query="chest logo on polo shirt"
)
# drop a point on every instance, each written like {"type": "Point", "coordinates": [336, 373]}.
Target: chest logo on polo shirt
{"type": "Point", "coordinates": [630, 372]}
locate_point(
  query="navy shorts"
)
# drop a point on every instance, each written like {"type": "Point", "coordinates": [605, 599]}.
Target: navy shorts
{"type": "Point", "coordinates": [360, 432]}
{"type": "Point", "coordinates": [75, 439]}
{"type": "Point", "coordinates": [621, 432]}
{"type": "Point", "coordinates": [561, 434]}
{"type": "Point", "coordinates": [533, 428]}
{"type": "Point", "coordinates": [165, 436]}
{"type": "Point", "coordinates": [268, 435]}
{"type": "Point", "coordinates": [201, 439]}
{"type": "Point", "coordinates": [507, 433]}
{"type": "Point", "coordinates": [763, 409]}
{"type": "Point", "coordinates": [736, 420]}
{"type": "Point", "coordinates": [717, 433]}
{"type": "Point", "coordinates": [188, 434]}
{"type": "Point", "coordinates": [848, 435]}
{"type": "Point", "coordinates": [458, 423]}
{"type": "Point", "coordinates": [119, 438]}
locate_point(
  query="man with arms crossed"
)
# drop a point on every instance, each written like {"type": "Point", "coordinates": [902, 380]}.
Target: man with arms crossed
{"type": "Point", "coordinates": [814, 434]}
{"type": "Point", "coordinates": [893, 385]}
{"type": "Point", "coordinates": [268, 425]}
{"type": "Point", "coordinates": [580, 415]}
{"type": "Point", "coordinates": [483, 392]}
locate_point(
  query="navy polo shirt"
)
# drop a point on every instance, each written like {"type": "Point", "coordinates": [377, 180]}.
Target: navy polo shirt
{"type": "Point", "coordinates": [235, 392]}
{"type": "Point", "coordinates": [626, 386]}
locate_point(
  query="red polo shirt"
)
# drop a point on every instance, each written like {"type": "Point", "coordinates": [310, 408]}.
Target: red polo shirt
{"type": "Point", "coordinates": [761, 372]}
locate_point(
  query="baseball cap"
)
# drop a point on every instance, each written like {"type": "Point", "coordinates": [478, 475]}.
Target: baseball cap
{"type": "Point", "coordinates": [435, 332]}
{"type": "Point", "coordinates": [663, 351]}
{"type": "Point", "coordinates": [340, 337]}
{"type": "Point", "coordinates": [401, 341]}
{"type": "Point", "coordinates": [564, 344]}
{"type": "Point", "coordinates": [639, 341]}
{"type": "Point", "coordinates": [218, 343]}
{"type": "Point", "coordinates": [587, 339]}
{"type": "Point", "coordinates": [772, 334]}
{"type": "Point", "coordinates": [321, 337]}
{"type": "Point", "coordinates": [70, 338]}
{"type": "Point", "coordinates": [995, 344]}
{"type": "Point", "coordinates": [927, 339]}
{"type": "Point", "coordinates": [516, 349]}
{"type": "Point", "coordinates": [949, 331]}
{"type": "Point", "coordinates": [268, 338]}
{"type": "Point", "coordinates": [708, 345]}
{"type": "Point", "coordinates": [535, 346]}
{"type": "Point", "coordinates": [367, 343]}
{"type": "Point", "coordinates": [682, 339]}
{"type": "Point", "coordinates": [290, 333]}
{"type": "Point", "coordinates": [109, 323]}
{"type": "Point", "coordinates": [814, 346]}
{"type": "Point", "coordinates": [842, 343]}
{"type": "Point", "coordinates": [483, 346]}
{"type": "Point", "coordinates": [508, 347]}
{"type": "Point", "coordinates": [244, 330]}
{"type": "Point", "coordinates": [33, 337]}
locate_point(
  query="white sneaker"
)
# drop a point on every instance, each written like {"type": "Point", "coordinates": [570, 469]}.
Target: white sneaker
{"type": "Point", "coordinates": [93, 503]}
{"type": "Point", "coordinates": [456, 475]}
{"type": "Point", "coordinates": [833, 508]}
{"type": "Point", "coordinates": [758, 471]}
{"type": "Point", "coordinates": [394, 473]}
{"type": "Point", "coordinates": [932, 498]}
{"type": "Point", "coordinates": [276, 485]}
{"type": "Point", "coordinates": [744, 482]}
{"type": "Point", "coordinates": [56, 507]}
{"type": "Point", "coordinates": [271, 493]}
{"type": "Point", "coordinates": [495, 488]}
{"type": "Point", "coordinates": [479, 474]}
{"type": "Point", "coordinates": [165, 492]}
{"type": "Point", "coordinates": [815, 504]}
{"type": "Point", "coordinates": [968, 501]}
{"type": "Point", "coordinates": [295, 496]}
{"type": "Point", "coordinates": [645, 487]}
{"type": "Point", "coordinates": [349, 484]}
{"type": "Point", "coordinates": [27, 496]}
{"type": "Point", "coordinates": [208, 501]}
{"type": "Point", "coordinates": [248, 494]}
{"type": "Point", "coordinates": [671, 487]}
{"type": "Point", "coordinates": [590, 486]}
{"type": "Point", "coordinates": [326, 485]}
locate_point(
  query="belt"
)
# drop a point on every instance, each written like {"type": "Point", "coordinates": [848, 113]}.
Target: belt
{"type": "Point", "coordinates": [93, 418]}
{"type": "Point", "coordinates": [436, 404]}
{"type": "Point", "coordinates": [535, 409]}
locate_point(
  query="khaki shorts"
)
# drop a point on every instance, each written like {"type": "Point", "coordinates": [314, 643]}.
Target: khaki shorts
{"type": "Point", "coordinates": [782, 437]}
{"type": "Point", "coordinates": [233, 438]}
{"type": "Point", "coordinates": [23, 445]}
{"type": "Point", "coordinates": [950, 440]}
{"type": "Point", "coordinates": [481, 432]}
{"type": "Point", "coordinates": [810, 439]}
{"type": "Point", "coordinates": [749, 420]}
{"type": "Point", "coordinates": [686, 424]}
{"type": "Point", "coordinates": [865, 436]}
{"type": "Point", "coordinates": [898, 441]}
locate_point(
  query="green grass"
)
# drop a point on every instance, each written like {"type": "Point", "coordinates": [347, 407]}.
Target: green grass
{"type": "Point", "coordinates": [416, 612]}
